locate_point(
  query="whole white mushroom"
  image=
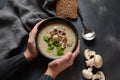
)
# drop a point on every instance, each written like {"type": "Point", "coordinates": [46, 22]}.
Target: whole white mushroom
{"type": "Point", "coordinates": [88, 53]}
{"type": "Point", "coordinates": [87, 73]}
{"type": "Point", "coordinates": [95, 61]}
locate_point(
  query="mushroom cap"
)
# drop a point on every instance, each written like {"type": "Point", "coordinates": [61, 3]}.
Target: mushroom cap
{"type": "Point", "coordinates": [87, 74]}
{"type": "Point", "coordinates": [99, 75]}
{"type": "Point", "coordinates": [88, 53]}
{"type": "Point", "coordinates": [98, 62]}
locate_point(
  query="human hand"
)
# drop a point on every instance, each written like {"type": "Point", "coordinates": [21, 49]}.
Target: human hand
{"type": "Point", "coordinates": [58, 65]}
{"type": "Point", "coordinates": [31, 51]}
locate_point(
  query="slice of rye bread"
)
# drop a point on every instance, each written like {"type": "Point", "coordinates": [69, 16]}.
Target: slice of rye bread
{"type": "Point", "coordinates": [67, 8]}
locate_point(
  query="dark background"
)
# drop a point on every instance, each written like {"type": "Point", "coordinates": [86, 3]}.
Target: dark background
{"type": "Point", "coordinates": [103, 16]}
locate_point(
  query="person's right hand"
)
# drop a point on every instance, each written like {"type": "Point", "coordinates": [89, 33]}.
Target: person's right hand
{"type": "Point", "coordinates": [58, 65]}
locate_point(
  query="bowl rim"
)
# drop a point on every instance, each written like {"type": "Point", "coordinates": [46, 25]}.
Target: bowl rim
{"type": "Point", "coordinates": [48, 20]}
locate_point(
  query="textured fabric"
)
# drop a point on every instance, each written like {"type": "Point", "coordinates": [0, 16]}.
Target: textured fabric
{"type": "Point", "coordinates": [2, 3]}
{"type": "Point", "coordinates": [48, 6]}
{"type": "Point", "coordinates": [17, 19]}
{"type": "Point", "coordinates": [9, 66]}
{"type": "Point", "coordinates": [45, 77]}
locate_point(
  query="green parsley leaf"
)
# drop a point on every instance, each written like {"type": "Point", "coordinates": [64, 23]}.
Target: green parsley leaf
{"type": "Point", "coordinates": [46, 38]}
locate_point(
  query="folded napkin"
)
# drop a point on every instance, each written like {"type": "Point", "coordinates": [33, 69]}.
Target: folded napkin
{"type": "Point", "coordinates": [17, 19]}
{"type": "Point", "coordinates": [48, 6]}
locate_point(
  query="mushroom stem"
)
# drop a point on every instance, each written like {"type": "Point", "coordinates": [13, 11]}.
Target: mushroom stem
{"type": "Point", "coordinates": [90, 69]}
{"type": "Point", "coordinates": [90, 62]}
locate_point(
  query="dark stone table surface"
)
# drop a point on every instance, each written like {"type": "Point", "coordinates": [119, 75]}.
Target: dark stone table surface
{"type": "Point", "coordinates": [103, 16]}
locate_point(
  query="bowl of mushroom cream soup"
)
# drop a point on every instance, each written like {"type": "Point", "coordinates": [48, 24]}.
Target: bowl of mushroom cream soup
{"type": "Point", "coordinates": [56, 37]}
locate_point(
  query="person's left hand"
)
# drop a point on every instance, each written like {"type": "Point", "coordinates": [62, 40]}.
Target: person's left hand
{"type": "Point", "coordinates": [31, 51]}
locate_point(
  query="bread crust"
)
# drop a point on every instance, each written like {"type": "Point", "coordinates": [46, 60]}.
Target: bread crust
{"type": "Point", "coordinates": [67, 8]}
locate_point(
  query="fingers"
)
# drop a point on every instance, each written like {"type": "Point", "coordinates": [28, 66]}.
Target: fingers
{"type": "Point", "coordinates": [65, 59]}
{"type": "Point", "coordinates": [32, 34]}
{"type": "Point", "coordinates": [34, 30]}
{"type": "Point", "coordinates": [62, 60]}
{"type": "Point", "coordinates": [77, 51]}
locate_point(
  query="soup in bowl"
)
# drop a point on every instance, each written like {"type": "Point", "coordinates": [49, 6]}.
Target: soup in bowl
{"type": "Point", "coordinates": [56, 37]}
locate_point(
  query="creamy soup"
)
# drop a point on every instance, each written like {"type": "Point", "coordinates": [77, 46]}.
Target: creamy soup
{"type": "Point", "coordinates": [56, 39]}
